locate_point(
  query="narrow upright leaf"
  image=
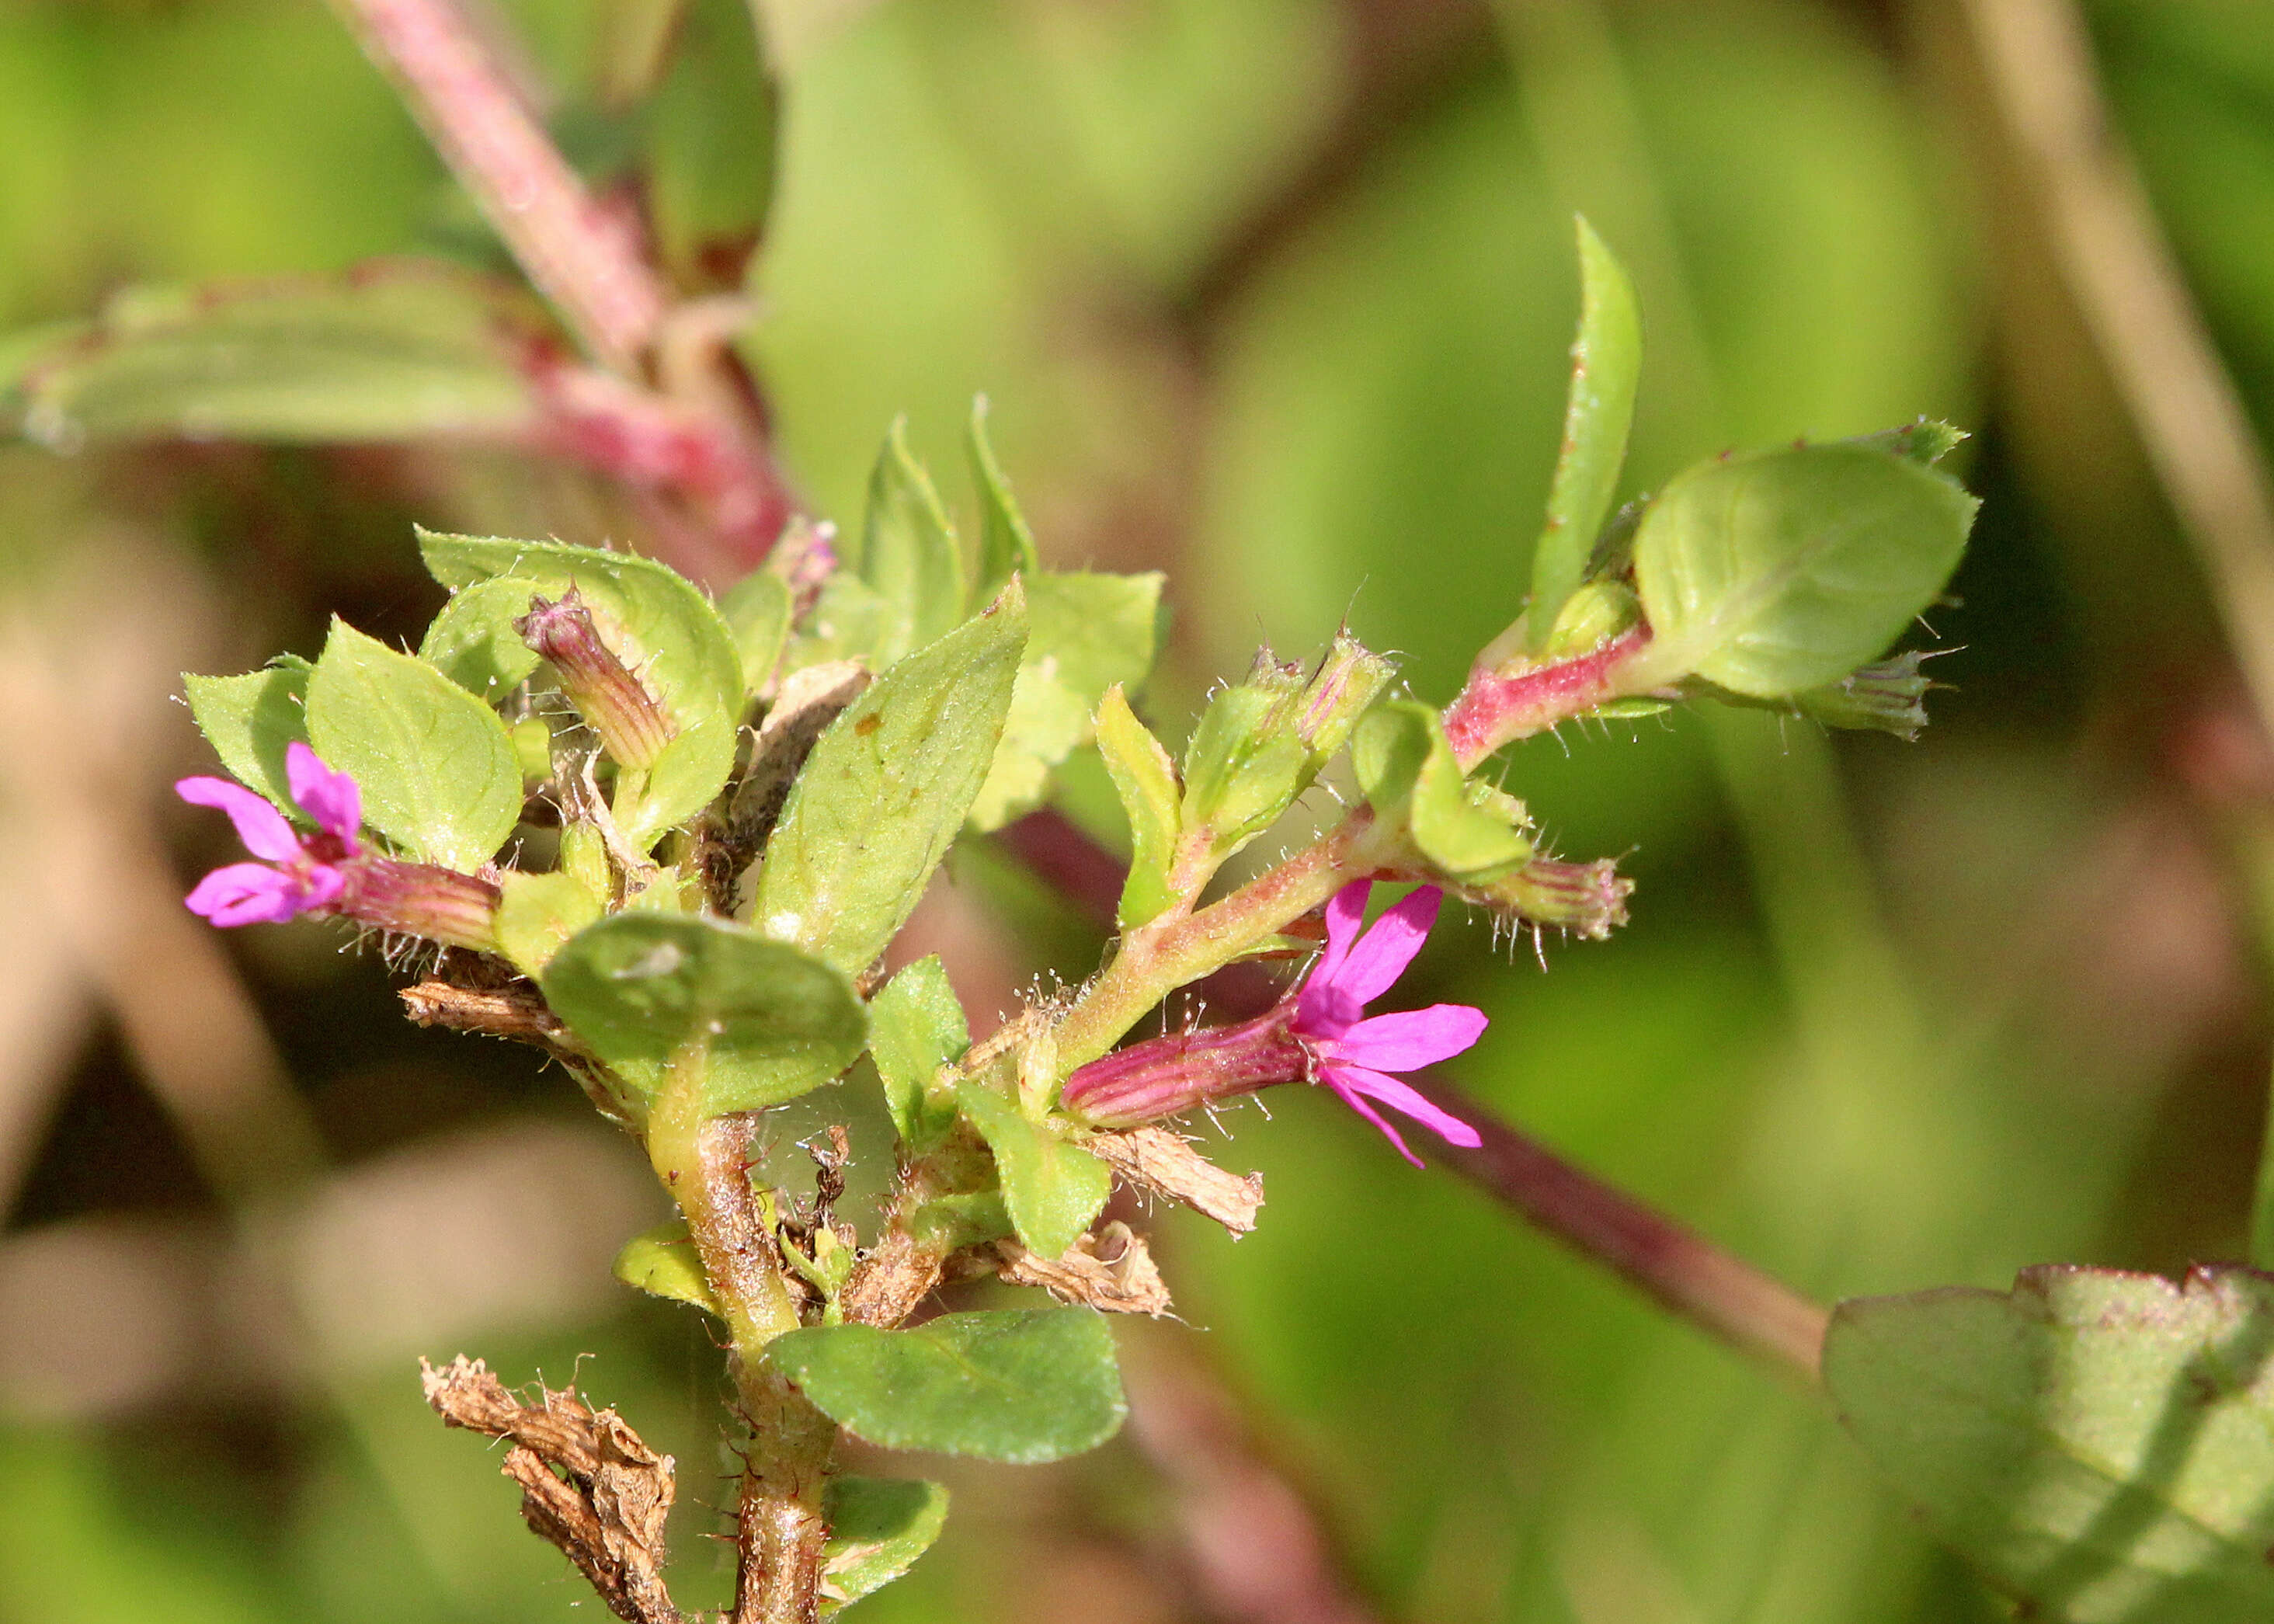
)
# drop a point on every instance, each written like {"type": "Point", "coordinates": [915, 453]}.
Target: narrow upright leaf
{"type": "Point", "coordinates": [249, 721]}
{"type": "Point", "coordinates": [1146, 781]}
{"type": "Point", "coordinates": [1606, 360]}
{"type": "Point", "coordinates": [1786, 570]}
{"type": "Point", "coordinates": [908, 553]}
{"type": "Point", "coordinates": [878, 1528]}
{"type": "Point", "coordinates": [438, 770]}
{"type": "Point", "coordinates": [1022, 1386]}
{"type": "Point", "coordinates": [1053, 1188]}
{"type": "Point", "coordinates": [916, 1026]}
{"type": "Point", "coordinates": [644, 989]}
{"type": "Point", "coordinates": [2099, 1444]}
{"type": "Point", "coordinates": [886, 790]}
{"type": "Point", "coordinates": [1006, 546]}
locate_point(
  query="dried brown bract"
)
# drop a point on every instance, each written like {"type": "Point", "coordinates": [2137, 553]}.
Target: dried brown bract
{"type": "Point", "coordinates": [1111, 1270]}
{"type": "Point", "coordinates": [1157, 1161]}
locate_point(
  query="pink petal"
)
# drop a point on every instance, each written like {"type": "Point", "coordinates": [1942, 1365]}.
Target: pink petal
{"type": "Point", "coordinates": [1345, 913]}
{"type": "Point", "coordinates": [321, 885]}
{"type": "Point", "coordinates": [1410, 1040]}
{"type": "Point", "coordinates": [332, 799]}
{"type": "Point", "coordinates": [246, 894]}
{"type": "Point", "coordinates": [1324, 1012]}
{"type": "Point", "coordinates": [1350, 1097]}
{"type": "Point", "coordinates": [1379, 957]}
{"type": "Point", "coordinates": [1348, 1079]}
{"type": "Point", "coordinates": [259, 825]}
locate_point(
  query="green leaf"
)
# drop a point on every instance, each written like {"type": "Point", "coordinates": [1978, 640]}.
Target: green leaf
{"type": "Point", "coordinates": [537, 915]}
{"type": "Point", "coordinates": [375, 357]}
{"type": "Point", "coordinates": [473, 642]}
{"type": "Point", "coordinates": [2100, 1444]}
{"type": "Point", "coordinates": [1053, 1189]}
{"type": "Point", "coordinates": [1084, 634]}
{"type": "Point", "coordinates": [1927, 441]}
{"type": "Point", "coordinates": [1786, 570]}
{"type": "Point", "coordinates": [687, 776]}
{"type": "Point", "coordinates": [878, 1528]}
{"type": "Point", "coordinates": [708, 141]}
{"type": "Point", "coordinates": [908, 553]}
{"type": "Point", "coordinates": [1146, 781]}
{"type": "Point", "coordinates": [1606, 360]}
{"type": "Point", "coordinates": [249, 721]}
{"type": "Point", "coordinates": [438, 771]}
{"type": "Point", "coordinates": [663, 1263]}
{"type": "Point", "coordinates": [849, 622]}
{"type": "Point", "coordinates": [1006, 546]}
{"type": "Point", "coordinates": [1022, 1386]}
{"type": "Point", "coordinates": [886, 790]}
{"type": "Point", "coordinates": [756, 610]}
{"type": "Point", "coordinates": [915, 1026]}
{"type": "Point", "coordinates": [643, 990]}
{"type": "Point", "coordinates": [1466, 831]}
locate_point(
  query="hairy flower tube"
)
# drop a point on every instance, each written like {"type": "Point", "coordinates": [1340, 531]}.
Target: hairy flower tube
{"type": "Point", "coordinates": [329, 872]}
{"type": "Point", "coordinates": [1321, 1033]}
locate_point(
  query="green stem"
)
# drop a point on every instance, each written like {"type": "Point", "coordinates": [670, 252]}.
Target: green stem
{"type": "Point", "coordinates": [1158, 958]}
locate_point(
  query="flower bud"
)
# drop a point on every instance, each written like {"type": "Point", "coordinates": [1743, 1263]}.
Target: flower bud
{"type": "Point", "coordinates": [1588, 899]}
{"type": "Point", "coordinates": [1347, 682]}
{"type": "Point", "coordinates": [1887, 697]}
{"type": "Point", "coordinates": [633, 726]}
{"type": "Point", "coordinates": [1591, 617]}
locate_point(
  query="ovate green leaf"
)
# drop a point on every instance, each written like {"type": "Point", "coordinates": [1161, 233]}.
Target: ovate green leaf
{"type": "Point", "coordinates": [663, 1263]}
{"type": "Point", "coordinates": [249, 721]}
{"type": "Point", "coordinates": [1020, 1385]}
{"type": "Point", "coordinates": [916, 1026]}
{"type": "Point", "coordinates": [473, 641]}
{"type": "Point", "coordinates": [1606, 360]}
{"type": "Point", "coordinates": [878, 1528]}
{"type": "Point", "coordinates": [886, 790]}
{"type": "Point", "coordinates": [1467, 830]}
{"type": "Point", "coordinates": [438, 770]}
{"type": "Point", "coordinates": [537, 915]}
{"type": "Point", "coordinates": [770, 1022]}
{"type": "Point", "coordinates": [1785, 570]}
{"type": "Point", "coordinates": [2099, 1444]}
{"type": "Point", "coordinates": [1053, 1189]}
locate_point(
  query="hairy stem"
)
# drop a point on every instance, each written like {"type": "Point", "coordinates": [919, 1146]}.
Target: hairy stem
{"type": "Point", "coordinates": [581, 256]}
{"type": "Point", "coordinates": [1495, 709]}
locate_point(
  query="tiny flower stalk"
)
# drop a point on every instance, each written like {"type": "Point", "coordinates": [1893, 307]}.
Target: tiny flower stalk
{"type": "Point", "coordinates": [633, 725]}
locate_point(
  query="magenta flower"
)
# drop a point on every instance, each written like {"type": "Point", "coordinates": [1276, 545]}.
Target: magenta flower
{"type": "Point", "coordinates": [302, 872]}
{"type": "Point", "coordinates": [1353, 1053]}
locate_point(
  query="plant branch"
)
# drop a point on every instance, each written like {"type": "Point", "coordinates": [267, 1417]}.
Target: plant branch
{"type": "Point", "coordinates": [582, 256]}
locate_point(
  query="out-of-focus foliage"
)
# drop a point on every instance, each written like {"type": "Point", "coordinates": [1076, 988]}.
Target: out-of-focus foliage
{"type": "Point", "coordinates": [1275, 295]}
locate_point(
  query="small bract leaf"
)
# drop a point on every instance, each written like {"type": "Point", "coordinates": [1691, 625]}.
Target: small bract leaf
{"type": "Point", "coordinates": [643, 990]}
{"type": "Point", "coordinates": [1006, 546]}
{"type": "Point", "coordinates": [537, 915]}
{"type": "Point", "coordinates": [887, 789]}
{"type": "Point", "coordinates": [663, 1263]}
{"type": "Point", "coordinates": [915, 1026]}
{"type": "Point", "coordinates": [1146, 781]}
{"type": "Point", "coordinates": [1606, 361]}
{"type": "Point", "coordinates": [685, 779]}
{"type": "Point", "coordinates": [2099, 1444]}
{"type": "Point", "coordinates": [474, 642]}
{"type": "Point", "coordinates": [907, 552]}
{"type": "Point", "coordinates": [437, 767]}
{"type": "Point", "coordinates": [1786, 570]}
{"type": "Point", "coordinates": [1022, 1386]}
{"type": "Point", "coordinates": [1406, 767]}
{"type": "Point", "coordinates": [1084, 634]}
{"type": "Point", "coordinates": [1052, 1188]}
{"type": "Point", "coordinates": [250, 720]}
{"type": "Point", "coordinates": [878, 1528]}
{"type": "Point", "coordinates": [756, 610]}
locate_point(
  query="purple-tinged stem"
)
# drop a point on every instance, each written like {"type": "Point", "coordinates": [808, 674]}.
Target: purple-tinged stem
{"type": "Point", "coordinates": [582, 256]}
{"type": "Point", "coordinates": [1496, 709]}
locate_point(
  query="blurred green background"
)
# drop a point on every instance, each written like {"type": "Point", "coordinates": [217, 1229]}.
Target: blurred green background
{"type": "Point", "coordinates": [1272, 293]}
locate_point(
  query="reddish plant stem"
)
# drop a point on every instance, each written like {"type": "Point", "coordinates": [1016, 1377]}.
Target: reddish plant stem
{"type": "Point", "coordinates": [582, 257]}
{"type": "Point", "coordinates": [1494, 710]}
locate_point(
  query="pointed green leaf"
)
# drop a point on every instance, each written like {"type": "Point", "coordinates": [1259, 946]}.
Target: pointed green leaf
{"type": "Point", "coordinates": [249, 721]}
{"type": "Point", "coordinates": [1147, 783]}
{"type": "Point", "coordinates": [537, 915]}
{"type": "Point", "coordinates": [643, 990]}
{"type": "Point", "coordinates": [1006, 546]}
{"type": "Point", "coordinates": [756, 610]}
{"type": "Point", "coordinates": [473, 641]}
{"type": "Point", "coordinates": [663, 1263]}
{"type": "Point", "coordinates": [1084, 634]}
{"type": "Point", "coordinates": [1927, 441]}
{"type": "Point", "coordinates": [916, 1026]}
{"type": "Point", "coordinates": [886, 790]}
{"type": "Point", "coordinates": [2099, 1444]}
{"type": "Point", "coordinates": [1404, 762]}
{"type": "Point", "coordinates": [849, 622]}
{"type": "Point", "coordinates": [878, 1528]}
{"type": "Point", "coordinates": [1022, 1386]}
{"type": "Point", "coordinates": [389, 356]}
{"type": "Point", "coordinates": [1606, 361]}
{"type": "Point", "coordinates": [1786, 570]}
{"type": "Point", "coordinates": [908, 553]}
{"type": "Point", "coordinates": [438, 770]}
{"type": "Point", "coordinates": [1053, 1188]}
